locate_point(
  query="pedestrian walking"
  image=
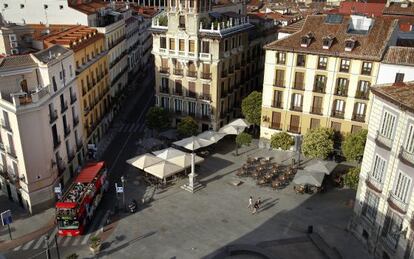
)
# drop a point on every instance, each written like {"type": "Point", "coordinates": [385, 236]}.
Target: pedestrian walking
{"type": "Point", "coordinates": [259, 202]}
{"type": "Point", "coordinates": [250, 206]}
{"type": "Point", "coordinates": [255, 207]}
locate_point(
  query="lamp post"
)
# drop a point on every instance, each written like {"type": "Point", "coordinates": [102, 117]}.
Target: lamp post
{"type": "Point", "coordinates": [47, 247]}
{"type": "Point", "coordinates": [123, 191]}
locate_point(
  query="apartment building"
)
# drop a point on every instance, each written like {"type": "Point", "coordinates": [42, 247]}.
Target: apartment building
{"type": "Point", "coordinates": [92, 75]}
{"type": "Point", "coordinates": [205, 62]}
{"type": "Point", "coordinates": [40, 125]}
{"type": "Point", "coordinates": [14, 39]}
{"type": "Point", "coordinates": [383, 213]}
{"type": "Point", "coordinates": [321, 75]}
{"type": "Point", "coordinates": [397, 65]}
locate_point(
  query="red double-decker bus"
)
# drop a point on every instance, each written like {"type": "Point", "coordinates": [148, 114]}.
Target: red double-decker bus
{"type": "Point", "coordinates": [77, 206]}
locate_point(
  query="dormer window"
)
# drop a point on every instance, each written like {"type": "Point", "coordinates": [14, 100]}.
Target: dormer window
{"type": "Point", "coordinates": [350, 44]}
{"type": "Point", "coordinates": [327, 42]}
{"type": "Point", "coordinates": [306, 40]}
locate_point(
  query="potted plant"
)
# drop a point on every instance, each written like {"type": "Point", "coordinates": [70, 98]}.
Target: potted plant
{"type": "Point", "coordinates": [95, 244]}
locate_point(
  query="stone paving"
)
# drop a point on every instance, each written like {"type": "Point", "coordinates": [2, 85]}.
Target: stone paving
{"type": "Point", "coordinates": [178, 224]}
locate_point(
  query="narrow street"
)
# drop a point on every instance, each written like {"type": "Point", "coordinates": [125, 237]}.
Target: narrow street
{"type": "Point", "coordinates": [127, 126]}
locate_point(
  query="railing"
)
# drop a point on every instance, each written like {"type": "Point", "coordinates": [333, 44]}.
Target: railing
{"type": "Point", "coordinates": [299, 86]}
{"type": "Point", "coordinates": [114, 43]}
{"type": "Point", "coordinates": [6, 125]}
{"type": "Point", "coordinates": [73, 98]}
{"type": "Point", "coordinates": [275, 125]}
{"type": "Point", "coordinates": [316, 110]}
{"type": "Point", "coordinates": [206, 75]}
{"type": "Point", "coordinates": [341, 91]}
{"type": "Point", "coordinates": [396, 203]}
{"type": "Point", "coordinates": [179, 93]}
{"type": "Point", "coordinates": [63, 107]}
{"type": "Point", "coordinates": [296, 108]}
{"type": "Point", "coordinates": [164, 90]}
{"type": "Point", "coordinates": [164, 70]}
{"type": "Point", "coordinates": [56, 142]}
{"type": "Point", "coordinates": [383, 141]}
{"type": "Point", "coordinates": [373, 183]}
{"type": "Point", "coordinates": [206, 97]}
{"type": "Point", "coordinates": [358, 117]}
{"type": "Point", "coordinates": [277, 104]}
{"type": "Point", "coordinates": [362, 95]}
{"type": "Point", "coordinates": [279, 83]}
{"type": "Point", "coordinates": [191, 94]}
{"type": "Point", "coordinates": [178, 72]}
{"type": "Point", "coordinates": [406, 156]}
{"type": "Point", "coordinates": [192, 73]}
{"type": "Point", "coordinates": [66, 131]}
{"type": "Point", "coordinates": [294, 129]}
{"type": "Point", "coordinates": [53, 115]}
{"type": "Point", "coordinates": [319, 88]}
{"type": "Point", "coordinates": [338, 114]}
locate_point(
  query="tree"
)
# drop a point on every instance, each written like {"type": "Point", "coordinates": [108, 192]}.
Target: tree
{"type": "Point", "coordinates": [318, 143]}
{"type": "Point", "coordinates": [252, 107]}
{"type": "Point", "coordinates": [187, 127]}
{"type": "Point", "coordinates": [243, 139]}
{"type": "Point", "coordinates": [354, 144]}
{"type": "Point", "coordinates": [281, 140]}
{"type": "Point", "coordinates": [351, 179]}
{"type": "Point", "coordinates": [157, 118]}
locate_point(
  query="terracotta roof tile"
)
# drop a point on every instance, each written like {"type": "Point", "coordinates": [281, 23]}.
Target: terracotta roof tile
{"type": "Point", "coordinates": [399, 56]}
{"type": "Point", "coordinates": [369, 46]}
{"type": "Point", "coordinates": [292, 28]}
{"type": "Point", "coordinates": [400, 94]}
{"type": "Point", "coordinates": [16, 62]}
{"type": "Point", "coordinates": [361, 8]}
{"type": "Point", "coordinates": [399, 9]}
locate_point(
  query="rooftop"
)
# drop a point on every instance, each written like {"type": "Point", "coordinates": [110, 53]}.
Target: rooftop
{"type": "Point", "coordinates": [292, 28]}
{"type": "Point", "coordinates": [367, 41]}
{"type": "Point", "coordinates": [399, 56]}
{"type": "Point", "coordinates": [400, 94]}
{"type": "Point", "coordinates": [368, 9]}
{"type": "Point", "coordinates": [16, 62]}
{"type": "Point", "coordinates": [50, 54]}
{"type": "Point", "coordinates": [91, 7]}
{"type": "Point", "coordinates": [403, 8]}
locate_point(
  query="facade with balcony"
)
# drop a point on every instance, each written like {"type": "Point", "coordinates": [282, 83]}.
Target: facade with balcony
{"type": "Point", "coordinates": [205, 65]}
{"type": "Point", "coordinates": [318, 80]}
{"type": "Point", "coordinates": [39, 125]}
{"type": "Point", "coordinates": [383, 212]}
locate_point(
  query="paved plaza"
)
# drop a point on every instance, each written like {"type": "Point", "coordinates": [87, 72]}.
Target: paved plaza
{"type": "Point", "coordinates": [178, 224]}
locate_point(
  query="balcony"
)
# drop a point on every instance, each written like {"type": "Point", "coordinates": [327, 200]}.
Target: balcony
{"type": "Point", "coordinates": [192, 74]}
{"type": "Point", "coordinates": [299, 86]}
{"type": "Point", "coordinates": [338, 114]}
{"type": "Point", "coordinates": [279, 83]}
{"type": "Point", "coordinates": [191, 94]}
{"type": "Point", "coordinates": [316, 110]}
{"type": "Point", "coordinates": [294, 129]}
{"type": "Point", "coordinates": [319, 88]}
{"type": "Point", "coordinates": [383, 141]}
{"type": "Point", "coordinates": [75, 121]}
{"type": "Point", "coordinates": [164, 70]}
{"type": "Point", "coordinates": [373, 184]}
{"type": "Point", "coordinates": [358, 117]}
{"type": "Point", "coordinates": [66, 131]}
{"type": "Point", "coordinates": [11, 152]}
{"type": "Point", "coordinates": [275, 125]}
{"type": "Point", "coordinates": [178, 93]}
{"type": "Point", "coordinates": [296, 108]}
{"type": "Point", "coordinates": [406, 157]}
{"type": "Point", "coordinates": [395, 203]}
{"type": "Point", "coordinates": [178, 72]}
{"type": "Point", "coordinates": [164, 90]}
{"type": "Point", "coordinates": [362, 95]}
{"type": "Point", "coordinates": [56, 142]}
{"type": "Point", "coordinates": [53, 115]}
{"type": "Point", "coordinates": [73, 98]}
{"type": "Point", "coordinates": [206, 76]}
{"type": "Point", "coordinates": [341, 91]}
{"type": "Point", "coordinates": [206, 97]}
{"type": "Point", "coordinates": [223, 73]}
{"type": "Point", "coordinates": [277, 104]}
{"type": "Point", "coordinates": [63, 107]}
{"type": "Point", "coordinates": [6, 125]}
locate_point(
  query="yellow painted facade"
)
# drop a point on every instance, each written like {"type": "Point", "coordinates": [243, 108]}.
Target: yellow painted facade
{"type": "Point", "coordinates": [351, 118]}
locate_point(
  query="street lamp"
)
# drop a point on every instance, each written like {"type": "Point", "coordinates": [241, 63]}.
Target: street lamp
{"type": "Point", "coordinates": [123, 191]}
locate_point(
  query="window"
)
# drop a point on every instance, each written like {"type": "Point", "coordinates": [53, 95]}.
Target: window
{"type": "Point", "coordinates": [344, 65]}
{"type": "Point", "coordinates": [370, 206]}
{"type": "Point", "coordinates": [226, 45]}
{"type": "Point", "coordinates": [172, 43]}
{"type": "Point", "coordinates": [70, 71]}
{"type": "Point", "coordinates": [276, 118]}
{"type": "Point", "coordinates": [300, 60]}
{"type": "Point", "coordinates": [349, 44]}
{"type": "Point", "coordinates": [191, 46]}
{"type": "Point", "coordinates": [205, 109]}
{"type": "Point", "coordinates": [366, 68]}
{"type": "Point", "coordinates": [320, 84]}
{"type": "Point", "coordinates": [281, 58]}
{"type": "Point", "coordinates": [297, 102]}
{"type": "Point", "coordinates": [342, 87]}
{"type": "Point", "coordinates": [178, 105]}
{"type": "Point", "coordinates": [399, 77]}
{"type": "Point", "coordinates": [299, 81]}
{"type": "Point", "coordinates": [409, 142]}
{"type": "Point", "coordinates": [392, 228]}
{"type": "Point", "coordinates": [317, 105]}
{"type": "Point", "coordinates": [355, 129]}
{"type": "Point", "coordinates": [363, 89]}
{"type": "Point", "coordinates": [54, 83]}
{"type": "Point", "coordinates": [359, 112]}
{"type": "Point", "coordinates": [378, 169]}
{"type": "Point", "coordinates": [181, 22]}
{"type": "Point", "coordinates": [191, 108]}
{"type": "Point", "coordinates": [402, 187]}
{"type": "Point", "coordinates": [280, 78]}
{"type": "Point", "coordinates": [181, 45]}
{"type": "Point", "coordinates": [178, 87]}
{"type": "Point", "coordinates": [338, 109]}
{"type": "Point", "coordinates": [205, 46]}
{"type": "Point", "coordinates": [163, 42]}
{"type": "Point", "coordinates": [315, 123]}
{"type": "Point", "coordinates": [277, 99]}
{"type": "Point", "coordinates": [322, 62]}
{"type": "Point", "coordinates": [192, 89]}
{"type": "Point", "coordinates": [388, 125]}
{"type": "Point", "coordinates": [336, 126]}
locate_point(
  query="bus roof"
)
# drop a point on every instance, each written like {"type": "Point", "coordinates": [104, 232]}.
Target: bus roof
{"type": "Point", "coordinates": [89, 172]}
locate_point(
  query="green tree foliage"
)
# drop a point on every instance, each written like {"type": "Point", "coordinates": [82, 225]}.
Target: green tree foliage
{"type": "Point", "coordinates": [281, 140]}
{"type": "Point", "coordinates": [157, 118]}
{"type": "Point", "coordinates": [252, 107]}
{"type": "Point", "coordinates": [318, 143]}
{"type": "Point", "coordinates": [354, 144]}
{"type": "Point", "coordinates": [243, 139]}
{"type": "Point", "coordinates": [72, 256]}
{"type": "Point", "coordinates": [351, 179]}
{"type": "Point", "coordinates": [187, 127]}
